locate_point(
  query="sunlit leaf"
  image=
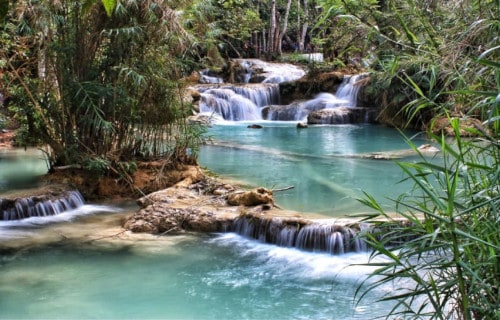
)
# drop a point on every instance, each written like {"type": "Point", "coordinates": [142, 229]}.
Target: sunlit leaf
{"type": "Point", "coordinates": [109, 6]}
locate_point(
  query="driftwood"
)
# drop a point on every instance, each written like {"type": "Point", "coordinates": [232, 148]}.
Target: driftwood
{"type": "Point", "coordinates": [283, 189]}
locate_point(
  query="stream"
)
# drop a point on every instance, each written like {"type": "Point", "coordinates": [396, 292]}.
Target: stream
{"type": "Point", "coordinates": [78, 264]}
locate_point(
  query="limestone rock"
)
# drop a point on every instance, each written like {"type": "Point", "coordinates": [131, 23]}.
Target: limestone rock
{"type": "Point", "coordinates": [161, 218]}
{"type": "Point", "coordinates": [468, 127]}
{"type": "Point", "coordinates": [253, 197]}
{"type": "Point", "coordinates": [342, 115]}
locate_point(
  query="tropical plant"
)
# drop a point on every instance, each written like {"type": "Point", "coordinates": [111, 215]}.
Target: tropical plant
{"type": "Point", "coordinates": [106, 82]}
{"type": "Point", "coordinates": [441, 247]}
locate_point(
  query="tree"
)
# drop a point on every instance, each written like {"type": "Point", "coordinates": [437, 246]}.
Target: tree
{"type": "Point", "coordinates": [107, 87]}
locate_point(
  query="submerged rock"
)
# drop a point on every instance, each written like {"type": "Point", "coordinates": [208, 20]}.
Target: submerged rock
{"type": "Point", "coordinates": [255, 126]}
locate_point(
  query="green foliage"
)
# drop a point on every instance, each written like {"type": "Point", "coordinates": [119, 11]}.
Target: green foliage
{"type": "Point", "coordinates": [109, 6]}
{"type": "Point", "coordinates": [101, 90]}
{"type": "Point", "coordinates": [445, 257]}
{"type": "Point", "coordinates": [97, 164]}
{"type": "Point", "coordinates": [3, 121]}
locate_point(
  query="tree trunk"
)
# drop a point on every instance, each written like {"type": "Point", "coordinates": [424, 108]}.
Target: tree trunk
{"type": "Point", "coordinates": [305, 26]}
{"type": "Point", "coordinates": [285, 25]}
{"type": "Point", "coordinates": [272, 28]}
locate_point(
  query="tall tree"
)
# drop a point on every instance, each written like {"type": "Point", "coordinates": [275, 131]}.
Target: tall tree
{"type": "Point", "coordinates": [284, 28]}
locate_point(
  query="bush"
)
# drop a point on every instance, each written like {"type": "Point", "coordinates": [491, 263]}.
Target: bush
{"type": "Point", "coordinates": [449, 266]}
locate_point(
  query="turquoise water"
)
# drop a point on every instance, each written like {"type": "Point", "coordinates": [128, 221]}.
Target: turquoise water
{"type": "Point", "coordinates": [57, 275]}
{"type": "Point", "coordinates": [322, 163]}
{"type": "Point", "coordinates": [220, 276]}
{"type": "Point", "coordinates": [19, 168]}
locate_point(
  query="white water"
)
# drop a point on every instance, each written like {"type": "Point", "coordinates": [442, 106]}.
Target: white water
{"type": "Point", "coordinates": [273, 72]}
{"type": "Point", "coordinates": [207, 277]}
{"type": "Point", "coordinates": [244, 101]}
{"type": "Point", "coordinates": [348, 90]}
{"type": "Point", "coordinates": [237, 103]}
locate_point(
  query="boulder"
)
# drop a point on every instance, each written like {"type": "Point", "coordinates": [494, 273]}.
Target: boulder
{"type": "Point", "coordinates": [342, 115]}
{"type": "Point", "coordinates": [160, 218]}
{"type": "Point", "coordinates": [253, 197]}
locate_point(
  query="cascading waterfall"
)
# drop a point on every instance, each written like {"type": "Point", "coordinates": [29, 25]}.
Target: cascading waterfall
{"type": "Point", "coordinates": [206, 77]}
{"type": "Point", "coordinates": [238, 103]}
{"type": "Point", "coordinates": [317, 237]}
{"type": "Point", "coordinates": [348, 89]}
{"type": "Point", "coordinates": [253, 90]}
{"type": "Point", "coordinates": [330, 108]}
{"type": "Point", "coordinates": [39, 206]}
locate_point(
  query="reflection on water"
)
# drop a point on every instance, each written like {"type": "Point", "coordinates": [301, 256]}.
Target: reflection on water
{"type": "Point", "coordinates": [322, 163]}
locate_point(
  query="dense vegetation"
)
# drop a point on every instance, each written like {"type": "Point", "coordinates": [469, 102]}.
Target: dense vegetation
{"type": "Point", "coordinates": [444, 260]}
{"type": "Point", "coordinates": [101, 83]}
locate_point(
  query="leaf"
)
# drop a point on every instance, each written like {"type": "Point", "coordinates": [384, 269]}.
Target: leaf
{"type": "Point", "coordinates": [109, 6]}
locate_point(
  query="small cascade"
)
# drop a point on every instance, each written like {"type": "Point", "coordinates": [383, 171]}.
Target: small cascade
{"type": "Point", "coordinates": [39, 206]}
{"type": "Point", "coordinates": [324, 107]}
{"type": "Point", "coordinates": [237, 103]}
{"type": "Point", "coordinates": [348, 89]}
{"type": "Point", "coordinates": [316, 237]}
{"type": "Point", "coordinates": [207, 77]}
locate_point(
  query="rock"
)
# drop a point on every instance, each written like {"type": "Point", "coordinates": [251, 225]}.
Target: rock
{"type": "Point", "coordinates": [201, 119]}
{"type": "Point", "coordinates": [253, 197]}
{"type": "Point", "coordinates": [302, 125]}
{"type": "Point", "coordinates": [468, 127]}
{"type": "Point", "coordinates": [163, 219]}
{"type": "Point", "coordinates": [342, 115]}
{"type": "Point", "coordinates": [255, 126]}
{"type": "Point", "coordinates": [339, 115]}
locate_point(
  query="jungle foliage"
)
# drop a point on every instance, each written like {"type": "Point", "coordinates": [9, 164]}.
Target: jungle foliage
{"type": "Point", "coordinates": [100, 85]}
{"type": "Point", "coordinates": [439, 245]}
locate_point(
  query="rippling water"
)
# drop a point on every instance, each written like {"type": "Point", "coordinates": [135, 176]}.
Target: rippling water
{"type": "Point", "coordinates": [64, 267]}
{"type": "Point", "coordinates": [324, 164]}
{"type": "Point", "coordinates": [221, 276]}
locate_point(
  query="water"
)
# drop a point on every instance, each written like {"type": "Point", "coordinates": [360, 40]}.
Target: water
{"type": "Point", "coordinates": [80, 264]}
{"type": "Point", "coordinates": [220, 276]}
{"type": "Point", "coordinates": [19, 168]}
{"type": "Point", "coordinates": [322, 163]}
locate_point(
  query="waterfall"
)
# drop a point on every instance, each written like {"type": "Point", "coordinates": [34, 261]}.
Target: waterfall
{"type": "Point", "coordinates": [325, 108]}
{"type": "Point", "coordinates": [256, 86]}
{"type": "Point", "coordinates": [237, 103]}
{"type": "Point", "coordinates": [316, 237]}
{"type": "Point", "coordinates": [39, 206]}
{"type": "Point", "coordinates": [348, 89]}
{"type": "Point", "coordinates": [207, 77]}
